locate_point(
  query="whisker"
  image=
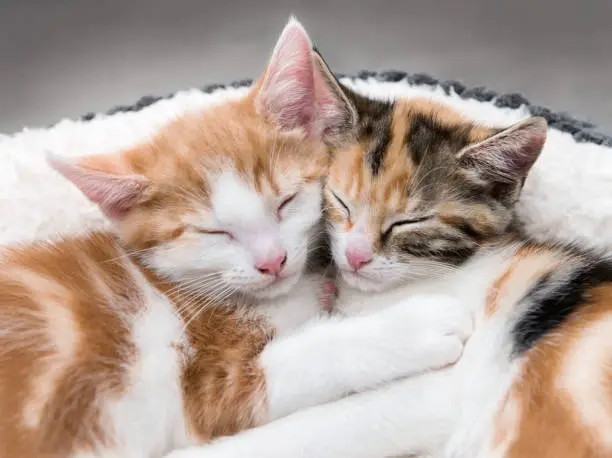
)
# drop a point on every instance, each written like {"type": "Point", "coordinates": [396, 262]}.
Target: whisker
{"type": "Point", "coordinates": [199, 290]}
{"type": "Point", "coordinates": [128, 254]}
{"type": "Point", "coordinates": [190, 282]}
{"type": "Point", "coordinates": [219, 298]}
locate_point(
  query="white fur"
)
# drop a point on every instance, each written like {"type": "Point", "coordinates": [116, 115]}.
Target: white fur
{"type": "Point", "coordinates": [335, 357]}
{"type": "Point", "coordinates": [290, 312]}
{"type": "Point", "coordinates": [149, 416]}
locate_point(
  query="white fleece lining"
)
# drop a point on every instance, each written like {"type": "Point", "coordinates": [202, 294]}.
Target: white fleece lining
{"type": "Point", "coordinates": [568, 196]}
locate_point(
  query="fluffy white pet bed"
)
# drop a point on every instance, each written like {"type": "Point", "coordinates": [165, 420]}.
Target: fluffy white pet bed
{"type": "Point", "coordinates": [568, 196]}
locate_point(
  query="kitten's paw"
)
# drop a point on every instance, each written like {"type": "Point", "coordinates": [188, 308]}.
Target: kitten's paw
{"type": "Point", "coordinates": [440, 325]}
{"type": "Point", "coordinates": [444, 314]}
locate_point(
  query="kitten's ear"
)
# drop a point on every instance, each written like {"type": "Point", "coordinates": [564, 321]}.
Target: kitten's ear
{"type": "Point", "coordinates": [505, 159]}
{"type": "Point", "coordinates": [294, 92]}
{"type": "Point", "coordinates": [336, 113]}
{"type": "Point", "coordinates": [286, 93]}
{"type": "Point", "coordinates": [100, 179]}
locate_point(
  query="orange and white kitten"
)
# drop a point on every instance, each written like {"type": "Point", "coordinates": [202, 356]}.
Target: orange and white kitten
{"type": "Point", "coordinates": [185, 322]}
{"type": "Point", "coordinates": [421, 200]}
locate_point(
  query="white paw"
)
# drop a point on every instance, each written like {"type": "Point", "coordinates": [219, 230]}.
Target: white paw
{"type": "Point", "coordinates": [438, 328]}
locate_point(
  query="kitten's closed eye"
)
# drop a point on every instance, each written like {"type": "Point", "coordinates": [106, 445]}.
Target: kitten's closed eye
{"type": "Point", "coordinates": [286, 201]}
{"type": "Point", "coordinates": [342, 203]}
{"type": "Point", "coordinates": [404, 222]}
{"type": "Point", "coordinates": [201, 230]}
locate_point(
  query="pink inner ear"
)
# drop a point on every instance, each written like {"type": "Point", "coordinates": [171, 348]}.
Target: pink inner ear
{"type": "Point", "coordinates": [509, 155]}
{"type": "Point", "coordinates": [287, 93]}
{"type": "Point", "coordinates": [116, 195]}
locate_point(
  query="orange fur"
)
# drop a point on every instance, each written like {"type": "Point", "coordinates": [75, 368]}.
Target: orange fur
{"type": "Point", "coordinates": [528, 265]}
{"type": "Point", "coordinates": [65, 344]}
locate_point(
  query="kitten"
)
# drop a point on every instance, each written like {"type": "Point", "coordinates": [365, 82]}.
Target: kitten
{"type": "Point", "coordinates": [421, 200]}
{"type": "Point", "coordinates": [185, 322]}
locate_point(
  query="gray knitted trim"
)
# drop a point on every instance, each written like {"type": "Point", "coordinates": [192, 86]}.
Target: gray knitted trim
{"type": "Point", "coordinates": [582, 131]}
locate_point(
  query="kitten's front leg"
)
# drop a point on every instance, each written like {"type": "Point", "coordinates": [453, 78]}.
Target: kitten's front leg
{"type": "Point", "coordinates": [410, 417]}
{"type": "Point", "coordinates": [333, 358]}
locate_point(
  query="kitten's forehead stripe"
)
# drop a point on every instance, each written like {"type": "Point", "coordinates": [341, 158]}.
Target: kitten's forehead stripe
{"type": "Point", "coordinates": [380, 137]}
{"type": "Point", "coordinates": [374, 128]}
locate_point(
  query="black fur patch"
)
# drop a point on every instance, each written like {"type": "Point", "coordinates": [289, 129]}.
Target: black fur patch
{"type": "Point", "coordinates": [553, 301]}
{"type": "Point", "coordinates": [377, 155]}
{"type": "Point", "coordinates": [373, 125]}
{"type": "Point", "coordinates": [427, 135]}
{"type": "Point", "coordinates": [454, 252]}
{"type": "Point", "coordinates": [467, 230]}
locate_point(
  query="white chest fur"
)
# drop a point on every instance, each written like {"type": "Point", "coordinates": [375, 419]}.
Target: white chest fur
{"type": "Point", "coordinates": [292, 311]}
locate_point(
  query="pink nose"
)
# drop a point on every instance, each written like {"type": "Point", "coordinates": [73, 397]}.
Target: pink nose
{"type": "Point", "coordinates": [358, 258]}
{"type": "Point", "coordinates": [272, 265]}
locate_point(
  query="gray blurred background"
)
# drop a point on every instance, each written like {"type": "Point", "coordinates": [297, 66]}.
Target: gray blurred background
{"type": "Point", "coordinates": [63, 58]}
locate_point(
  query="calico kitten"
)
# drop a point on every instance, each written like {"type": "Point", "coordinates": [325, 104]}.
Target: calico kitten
{"type": "Point", "coordinates": [180, 325]}
{"type": "Point", "coordinates": [421, 200]}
